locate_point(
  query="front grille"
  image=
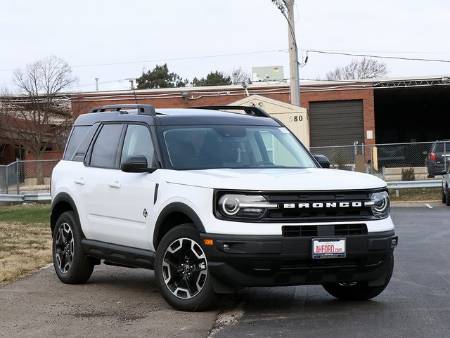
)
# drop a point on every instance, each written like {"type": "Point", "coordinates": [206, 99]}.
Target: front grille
{"type": "Point", "coordinates": [324, 230]}
{"type": "Point", "coordinates": [297, 214]}
{"type": "Point", "coordinates": [350, 229]}
{"type": "Point", "coordinates": [299, 231]}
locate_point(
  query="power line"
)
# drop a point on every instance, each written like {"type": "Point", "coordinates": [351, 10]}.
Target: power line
{"type": "Point", "coordinates": [372, 51]}
{"type": "Point", "coordinates": [331, 52]}
{"type": "Point", "coordinates": [200, 57]}
{"type": "Point", "coordinates": [184, 58]}
{"type": "Point", "coordinates": [390, 57]}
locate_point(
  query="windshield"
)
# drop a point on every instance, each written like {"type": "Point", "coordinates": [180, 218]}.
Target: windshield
{"type": "Point", "coordinates": [211, 147]}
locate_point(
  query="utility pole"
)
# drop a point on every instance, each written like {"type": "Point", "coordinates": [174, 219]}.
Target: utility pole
{"type": "Point", "coordinates": [294, 77]}
{"type": "Point", "coordinates": [131, 80]}
{"type": "Point", "coordinates": [96, 83]}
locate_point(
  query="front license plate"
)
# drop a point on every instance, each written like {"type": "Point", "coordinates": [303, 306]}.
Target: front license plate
{"type": "Point", "coordinates": [328, 248]}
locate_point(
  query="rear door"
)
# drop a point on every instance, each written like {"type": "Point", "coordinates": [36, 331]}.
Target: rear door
{"type": "Point", "coordinates": [100, 191]}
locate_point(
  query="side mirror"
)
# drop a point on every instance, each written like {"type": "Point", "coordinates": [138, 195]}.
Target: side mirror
{"type": "Point", "coordinates": [136, 164]}
{"type": "Point", "coordinates": [323, 160]}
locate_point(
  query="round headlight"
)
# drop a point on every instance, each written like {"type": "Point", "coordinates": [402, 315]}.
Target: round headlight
{"type": "Point", "coordinates": [246, 206]}
{"type": "Point", "coordinates": [230, 205]}
{"type": "Point", "coordinates": [380, 205]}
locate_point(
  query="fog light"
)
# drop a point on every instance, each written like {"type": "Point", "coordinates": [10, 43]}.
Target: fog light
{"type": "Point", "coordinates": [394, 242]}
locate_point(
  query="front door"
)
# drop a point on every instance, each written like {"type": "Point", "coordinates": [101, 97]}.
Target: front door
{"type": "Point", "coordinates": [133, 201]}
{"type": "Point", "coordinates": [120, 204]}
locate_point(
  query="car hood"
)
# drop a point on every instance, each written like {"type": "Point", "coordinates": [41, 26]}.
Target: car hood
{"type": "Point", "coordinates": [275, 179]}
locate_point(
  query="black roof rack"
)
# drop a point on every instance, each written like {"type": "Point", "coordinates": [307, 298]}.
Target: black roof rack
{"type": "Point", "coordinates": [253, 111]}
{"type": "Point", "coordinates": [142, 109]}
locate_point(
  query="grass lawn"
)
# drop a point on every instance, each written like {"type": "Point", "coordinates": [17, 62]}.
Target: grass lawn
{"type": "Point", "coordinates": [25, 240]}
{"type": "Point", "coordinates": [416, 194]}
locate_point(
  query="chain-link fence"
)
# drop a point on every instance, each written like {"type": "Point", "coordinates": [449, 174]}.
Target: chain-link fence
{"type": "Point", "coordinates": [391, 161]}
{"type": "Point", "coordinates": [23, 177]}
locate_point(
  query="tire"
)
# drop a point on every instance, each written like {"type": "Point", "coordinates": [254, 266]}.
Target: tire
{"type": "Point", "coordinates": [71, 265]}
{"type": "Point", "coordinates": [444, 197]}
{"type": "Point", "coordinates": [447, 197]}
{"type": "Point", "coordinates": [179, 264]}
{"type": "Point", "coordinates": [359, 291]}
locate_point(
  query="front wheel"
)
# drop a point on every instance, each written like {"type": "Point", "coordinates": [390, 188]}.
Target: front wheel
{"type": "Point", "coordinates": [359, 291]}
{"type": "Point", "coordinates": [181, 270]}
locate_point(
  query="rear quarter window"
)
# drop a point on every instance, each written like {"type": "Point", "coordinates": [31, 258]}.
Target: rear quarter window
{"type": "Point", "coordinates": [441, 147]}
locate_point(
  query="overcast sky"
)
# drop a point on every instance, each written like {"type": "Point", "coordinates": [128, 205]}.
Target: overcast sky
{"type": "Point", "coordinates": [88, 33]}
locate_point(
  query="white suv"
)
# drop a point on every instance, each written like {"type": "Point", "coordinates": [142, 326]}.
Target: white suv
{"type": "Point", "coordinates": [215, 201]}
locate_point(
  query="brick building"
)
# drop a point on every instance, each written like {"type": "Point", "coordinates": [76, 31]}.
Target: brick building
{"type": "Point", "coordinates": [317, 97]}
{"type": "Point", "coordinates": [339, 113]}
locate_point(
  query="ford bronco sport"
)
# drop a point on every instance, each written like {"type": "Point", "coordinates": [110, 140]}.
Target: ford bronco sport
{"type": "Point", "coordinates": [214, 200]}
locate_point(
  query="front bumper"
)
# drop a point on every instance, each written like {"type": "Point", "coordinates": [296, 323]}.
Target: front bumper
{"type": "Point", "coordinates": [238, 261]}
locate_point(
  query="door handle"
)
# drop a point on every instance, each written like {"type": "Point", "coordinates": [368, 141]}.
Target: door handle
{"type": "Point", "coordinates": [79, 181]}
{"type": "Point", "coordinates": [115, 185]}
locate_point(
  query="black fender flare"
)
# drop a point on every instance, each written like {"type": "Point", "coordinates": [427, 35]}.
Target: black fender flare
{"type": "Point", "coordinates": [179, 208]}
{"type": "Point", "coordinates": [62, 197]}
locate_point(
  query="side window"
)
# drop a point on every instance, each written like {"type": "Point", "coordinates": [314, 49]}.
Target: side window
{"type": "Point", "coordinates": [105, 147]}
{"type": "Point", "coordinates": [138, 142]}
{"type": "Point", "coordinates": [77, 137]}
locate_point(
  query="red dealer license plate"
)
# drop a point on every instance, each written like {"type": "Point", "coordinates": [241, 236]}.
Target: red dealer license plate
{"type": "Point", "coordinates": [328, 248]}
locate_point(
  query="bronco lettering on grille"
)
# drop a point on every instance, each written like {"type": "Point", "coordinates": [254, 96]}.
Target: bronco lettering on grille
{"type": "Point", "coordinates": [319, 205]}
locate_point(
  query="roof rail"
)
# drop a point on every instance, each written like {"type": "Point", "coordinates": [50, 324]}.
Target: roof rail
{"type": "Point", "coordinates": [253, 111]}
{"type": "Point", "coordinates": [143, 109]}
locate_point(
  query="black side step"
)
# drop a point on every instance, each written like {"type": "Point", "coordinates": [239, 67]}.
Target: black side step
{"type": "Point", "coordinates": [119, 254]}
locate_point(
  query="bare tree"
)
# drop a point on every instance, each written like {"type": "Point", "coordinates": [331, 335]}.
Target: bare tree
{"type": "Point", "coordinates": [359, 69]}
{"type": "Point", "coordinates": [238, 76]}
{"type": "Point", "coordinates": [39, 117]}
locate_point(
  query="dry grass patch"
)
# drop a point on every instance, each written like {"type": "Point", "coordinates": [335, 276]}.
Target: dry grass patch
{"type": "Point", "coordinates": [25, 240]}
{"type": "Point", "coordinates": [23, 249]}
{"type": "Point", "coordinates": [415, 194]}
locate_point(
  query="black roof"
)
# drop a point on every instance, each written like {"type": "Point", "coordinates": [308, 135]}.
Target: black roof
{"type": "Point", "coordinates": [175, 116]}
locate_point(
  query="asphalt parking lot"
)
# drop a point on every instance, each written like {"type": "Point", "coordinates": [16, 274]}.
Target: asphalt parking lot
{"type": "Point", "coordinates": [415, 304]}
{"type": "Point", "coordinates": [123, 302]}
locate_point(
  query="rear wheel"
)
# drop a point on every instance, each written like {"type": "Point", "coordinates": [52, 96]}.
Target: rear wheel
{"type": "Point", "coordinates": [71, 265]}
{"type": "Point", "coordinates": [444, 196]}
{"type": "Point", "coordinates": [181, 270]}
{"type": "Point", "coordinates": [358, 291]}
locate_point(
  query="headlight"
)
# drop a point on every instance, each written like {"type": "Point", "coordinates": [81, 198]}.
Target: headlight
{"type": "Point", "coordinates": [379, 203]}
{"type": "Point", "coordinates": [243, 206]}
